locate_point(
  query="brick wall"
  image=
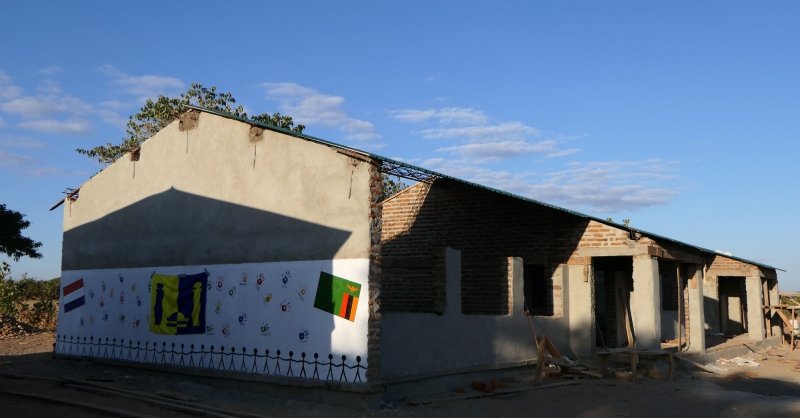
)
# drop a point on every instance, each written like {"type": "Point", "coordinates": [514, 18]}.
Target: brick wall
{"type": "Point", "coordinates": [487, 228]}
{"type": "Point", "coordinates": [375, 277]}
{"type": "Point", "coordinates": [602, 235]}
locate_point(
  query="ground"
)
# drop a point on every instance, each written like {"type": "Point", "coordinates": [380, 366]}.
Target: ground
{"type": "Point", "coordinates": [772, 393]}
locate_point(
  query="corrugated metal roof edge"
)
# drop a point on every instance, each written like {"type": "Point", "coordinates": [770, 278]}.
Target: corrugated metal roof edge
{"type": "Point", "coordinates": [491, 189]}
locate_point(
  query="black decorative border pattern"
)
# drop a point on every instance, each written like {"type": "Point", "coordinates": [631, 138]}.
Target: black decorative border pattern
{"type": "Point", "coordinates": [231, 360]}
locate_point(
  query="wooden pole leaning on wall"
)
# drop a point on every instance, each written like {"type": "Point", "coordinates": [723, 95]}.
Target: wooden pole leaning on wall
{"type": "Point", "coordinates": [768, 313]}
{"type": "Point", "coordinates": [680, 305]}
{"type": "Point", "coordinates": [626, 312]}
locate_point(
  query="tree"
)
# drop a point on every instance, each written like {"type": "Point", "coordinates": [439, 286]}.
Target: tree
{"type": "Point", "coordinates": [155, 115]}
{"type": "Point", "coordinates": [12, 243]}
{"type": "Point", "coordinates": [391, 187]}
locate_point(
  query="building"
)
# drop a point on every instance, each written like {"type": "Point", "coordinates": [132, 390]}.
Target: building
{"type": "Point", "coordinates": [307, 276]}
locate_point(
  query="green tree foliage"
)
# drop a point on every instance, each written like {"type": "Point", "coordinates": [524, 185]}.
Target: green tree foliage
{"type": "Point", "coordinates": [391, 187]}
{"type": "Point", "coordinates": [12, 242]}
{"type": "Point", "coordinates": [155, 115]}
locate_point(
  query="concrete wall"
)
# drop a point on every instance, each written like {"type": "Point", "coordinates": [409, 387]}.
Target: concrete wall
{"type": "Point", "coordinates": [418, 344]}
{"type": "Point", "coordinates": [211, 196]}
{"type": "Point", "coordinates": [711, 305]}
{"type": "Point", "coordinates": [755, 314]}
{"type": "Point", "coordinates": [645, 303]}
{"type": "Point", "coordinates": [697, 333]}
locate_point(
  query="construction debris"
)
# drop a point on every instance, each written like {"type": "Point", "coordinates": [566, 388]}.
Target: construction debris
{"type": "Point", "coordinates": [739, 361]}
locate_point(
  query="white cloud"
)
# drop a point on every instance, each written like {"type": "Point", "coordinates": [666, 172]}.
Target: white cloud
{"type": "Point", "coordinates": [115, 104]}
{"type": "Point", "coordinates": [20, 142]}
{"type": "Point", "coordinates": [143, 87]}
{"type": "Point", "coordinates": [309, 107]}
{"type": "Point", "coordinates": [445, 116]}
{"type": "Point", "coordinates": [45, 112]}
{"type": "Point", "coordinates": [11, 159]}
{"type": "Point", "coordinates": [7, 89]}
{"type": "Point", "coordinates": [495, 151]}
{"type": "Point", "coordinates": [54, 171]}
{"type": "Point", "coordinates": [73, 126]}
{"type": "Point", "coordinates": [1, 122]}
{"type": "Point", "coordinates": [53, 69]}
{"type": "Point", "coordinates": [563, 153]}
{"type": "Point", "coordinates": [508, 131]}
{"type": "Point", "coordinates": [31, 107]}
{"type": "Point", "coordinates": [42, 106]}
{"type": "Point", "coordinates": [728, 253]}
{"type": "Point", "coordinates": [604, 187]}
{"type": "Point", "coordinates": [49, 86]}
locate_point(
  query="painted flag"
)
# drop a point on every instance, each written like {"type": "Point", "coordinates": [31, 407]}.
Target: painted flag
{"type": "Point", "coordinates": [73, 295]}
{"type": "Point", "coordinates": [178, 304]}
{"type": "Point", "coordinates": [337, 296]}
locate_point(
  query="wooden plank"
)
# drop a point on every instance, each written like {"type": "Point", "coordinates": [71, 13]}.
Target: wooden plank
{"type": "Point", "coordinates": [680, 305]}
{"type": "Point", "coordinates": [551, 348]}
{"type": "Point", "coordinates": [537, 378]}
{"type": "Point", "coordinates": [634, 362]}
{"type": "Point", "coordinates": [113, 412]}
{"type": "Point", "coordinates": [767, 318]}
{"type": "Point", "coordinates": [626, 311]}
{"type": "Point", "coordinates": [698, 365]}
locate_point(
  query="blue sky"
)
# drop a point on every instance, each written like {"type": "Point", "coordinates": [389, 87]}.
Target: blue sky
{"type": "Point", "coordinates": [678, 116]}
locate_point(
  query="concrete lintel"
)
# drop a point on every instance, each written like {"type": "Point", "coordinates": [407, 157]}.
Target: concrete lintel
{"type": "Point", "coordinates": [733, 273]}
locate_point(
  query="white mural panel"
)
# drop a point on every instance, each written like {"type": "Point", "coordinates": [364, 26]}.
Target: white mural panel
{"type": "Point", "coordinates": [260, 306]}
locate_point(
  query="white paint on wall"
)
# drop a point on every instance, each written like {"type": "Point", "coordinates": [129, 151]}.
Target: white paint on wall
{"type": "Point", "coordinates": [266, 306]}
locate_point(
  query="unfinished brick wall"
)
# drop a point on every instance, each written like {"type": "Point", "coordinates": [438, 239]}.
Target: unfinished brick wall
{"type": "Point", "coordinates": [729, 266]}
{"type": "Point", "coordinates": [602, 235]}
{"type": "Point", "coordinates": [487, 228]}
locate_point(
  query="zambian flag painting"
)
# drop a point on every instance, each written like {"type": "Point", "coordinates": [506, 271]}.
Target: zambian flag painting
{"type": "Point", "coordinates": [337, 296]}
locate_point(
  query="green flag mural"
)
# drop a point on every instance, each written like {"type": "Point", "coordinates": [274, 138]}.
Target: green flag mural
{"type": "Point", "coordinates": [337, 296]}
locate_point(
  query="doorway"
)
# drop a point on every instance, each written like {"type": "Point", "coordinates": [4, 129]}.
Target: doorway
{"type": "Point", "coordinates": [613, 286]}
{"type": "Point", "coordinates": [732, 306]}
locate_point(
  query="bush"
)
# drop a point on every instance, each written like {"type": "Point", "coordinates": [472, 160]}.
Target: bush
{"type": "Point", "coordinates": [30, 301]}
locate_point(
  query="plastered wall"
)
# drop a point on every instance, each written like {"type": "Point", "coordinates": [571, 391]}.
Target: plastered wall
{"type": "Point", "coordinates": [263, 306]}
{"type": "Point", "coordinates": [211, 196]}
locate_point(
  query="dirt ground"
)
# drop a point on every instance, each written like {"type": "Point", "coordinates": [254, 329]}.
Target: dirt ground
{"type": "Point", "coordinates": [774, 392]}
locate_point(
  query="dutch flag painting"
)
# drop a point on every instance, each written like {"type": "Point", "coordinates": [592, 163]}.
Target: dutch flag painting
{"type": "Point", "coordinates": [73, 295]}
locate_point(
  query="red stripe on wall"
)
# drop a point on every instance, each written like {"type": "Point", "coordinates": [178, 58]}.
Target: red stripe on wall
{"type": "Point", "coordinates": [343, 310]}
{"type": "Point", "coordinates": [73, 287]}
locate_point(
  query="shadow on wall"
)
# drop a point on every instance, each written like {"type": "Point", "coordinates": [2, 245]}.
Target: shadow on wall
{"type": "Point", "coordinates": [175, 228]}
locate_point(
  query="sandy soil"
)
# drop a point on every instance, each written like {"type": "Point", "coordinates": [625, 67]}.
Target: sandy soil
{"type": "Point", "coordinates": [772, 393]}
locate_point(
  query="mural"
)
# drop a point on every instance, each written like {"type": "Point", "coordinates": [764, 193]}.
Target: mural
{"type": "Point", "coordinates": [178, 304]}
{"type": "Point", "coordinates": [198, 306]}
{"type": "Point", "coordinates": [337, 296]}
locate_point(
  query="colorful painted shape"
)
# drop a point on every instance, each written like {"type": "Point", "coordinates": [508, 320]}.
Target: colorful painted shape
{"type": "Point", "coordinates": [337, 296]}
{"type": "Point", "coordinates": [178, 304]}
{"type": "Point", "coordinates": [73, 295]}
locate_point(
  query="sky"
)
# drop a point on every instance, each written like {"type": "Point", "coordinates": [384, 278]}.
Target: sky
{"type": "Point", "coordinates": [680, 116]}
